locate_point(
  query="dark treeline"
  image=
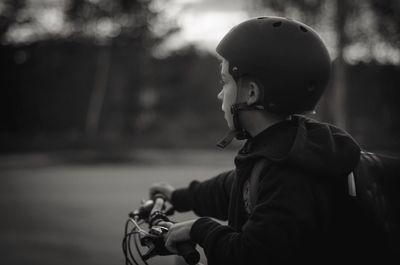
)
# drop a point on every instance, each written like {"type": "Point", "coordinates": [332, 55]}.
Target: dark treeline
{"type": "Point", "coordinates": [371, 107]}
{"type": "Point", "coordinates": [48, 89]}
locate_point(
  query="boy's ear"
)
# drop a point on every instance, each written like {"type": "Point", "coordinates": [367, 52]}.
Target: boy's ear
{"type": "Point", "coordinates": [254, 93]}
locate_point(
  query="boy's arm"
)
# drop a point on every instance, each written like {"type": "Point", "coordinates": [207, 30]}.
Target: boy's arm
{"type": "Point", "coordinates": [282, 218]}
{"type": "Point", "coordinates": [207, 198]}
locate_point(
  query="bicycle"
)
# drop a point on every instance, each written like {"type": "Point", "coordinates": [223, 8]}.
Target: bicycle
{"type": "Point", "coordinates": [152, 212]}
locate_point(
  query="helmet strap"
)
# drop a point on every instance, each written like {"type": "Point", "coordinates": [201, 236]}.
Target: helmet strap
{"type": "Point", "coordinates": [227, 139]}
{"type": "Point", "coordinates": [238, 132]}
{"type": "Point", "coordinates": [235, 109]}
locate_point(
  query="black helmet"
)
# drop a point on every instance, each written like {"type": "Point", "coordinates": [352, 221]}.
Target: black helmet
{"type": "Point", "coordinates": [286, 56]}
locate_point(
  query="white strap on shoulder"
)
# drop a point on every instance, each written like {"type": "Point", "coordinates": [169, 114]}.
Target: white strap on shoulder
{"type": "Point", "coordinates": [352, 185]}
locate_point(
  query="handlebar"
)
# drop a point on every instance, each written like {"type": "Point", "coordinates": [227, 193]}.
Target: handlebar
{"type": "Point", "coordinates": [185, 249]}
{"type": "Point", "coordinates": [153, 212]}
{"type": "Point", "coordinates": [188, 251]}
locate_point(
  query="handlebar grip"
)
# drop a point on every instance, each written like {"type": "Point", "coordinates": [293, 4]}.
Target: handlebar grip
{"type": "Point", "coordinates": [188, 251]}
{"type": "Point", "coordinates": [160, 196]}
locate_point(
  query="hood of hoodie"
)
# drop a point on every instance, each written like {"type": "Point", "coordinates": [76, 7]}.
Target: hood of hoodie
{"type": "Point", "coordinates": [306, 144]}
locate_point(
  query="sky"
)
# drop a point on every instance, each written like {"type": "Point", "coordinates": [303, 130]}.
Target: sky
{"type": "Point", "coordinates": [204, 22]}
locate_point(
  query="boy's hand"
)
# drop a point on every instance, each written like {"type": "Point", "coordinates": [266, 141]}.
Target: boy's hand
{"type": "Point", "coordinates": [163, 188]}
{"type": "Point", "coordinates": [178, 232]}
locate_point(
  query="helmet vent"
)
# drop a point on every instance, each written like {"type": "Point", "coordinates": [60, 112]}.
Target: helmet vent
{"type": "Point", "coordinates": [277, 24]}
{"type": "Point", "coordinates": [303, 29]}
{"type": "Point", "coordinates": [262, 17]}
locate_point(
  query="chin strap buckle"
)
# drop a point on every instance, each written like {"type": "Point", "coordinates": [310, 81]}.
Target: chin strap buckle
{"type": "Point", "coordinates": [227, 139]}
{"type": "Point", "coordinates": [239, 132]}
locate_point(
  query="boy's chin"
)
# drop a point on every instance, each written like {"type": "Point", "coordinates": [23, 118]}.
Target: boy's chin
{"type": "Point", "coordinates": [230, 125]}
{"type": "Point", "coordinates": [229, 122]}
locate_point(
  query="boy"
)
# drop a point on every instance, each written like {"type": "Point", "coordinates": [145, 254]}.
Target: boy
{"type": "Point", "coordinates": [286, 200]}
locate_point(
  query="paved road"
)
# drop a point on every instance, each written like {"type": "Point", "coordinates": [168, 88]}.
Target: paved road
{"type": "Point", "coordinates": [74, 214]}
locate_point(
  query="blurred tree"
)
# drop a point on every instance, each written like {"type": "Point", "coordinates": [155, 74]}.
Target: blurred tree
{"type": "Point", "coordinates": [363, 22]}
{"type": "Point", "coordinates": [9, 14]}
{"type": "Point", "coordinates": [122, 35]}
{"type": "Point", "coordinates": [388, 12]}
{"type": "Point", "coordinates": [126, 23]}
{"type": "Point", "coordinates": [189, 113]}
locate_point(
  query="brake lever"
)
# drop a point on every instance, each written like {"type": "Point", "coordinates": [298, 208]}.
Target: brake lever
{"type": "Point", "coordinates": [155, 242]}
{"type": "Point", "coordinates": [170, 211]}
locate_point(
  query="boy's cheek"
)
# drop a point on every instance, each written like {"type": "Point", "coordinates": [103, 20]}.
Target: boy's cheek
{"type": "Point", "coordinates": [223, 107]}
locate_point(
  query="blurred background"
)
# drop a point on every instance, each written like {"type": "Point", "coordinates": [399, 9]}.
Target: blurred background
{"type": "Point", "coordinates": [101, 98]}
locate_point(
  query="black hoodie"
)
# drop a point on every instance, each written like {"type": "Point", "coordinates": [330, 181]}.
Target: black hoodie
{"type": "Point", "coordinates": [302, 212]}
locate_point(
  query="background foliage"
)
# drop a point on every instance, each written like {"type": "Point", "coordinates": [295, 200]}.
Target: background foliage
{"type": "Point", "coordinates": [94, 77]}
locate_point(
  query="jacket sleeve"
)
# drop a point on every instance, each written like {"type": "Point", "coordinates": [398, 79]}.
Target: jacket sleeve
{"type": "Point", "coordinates": [207, 198]}
{"type": "Point", "coordinates": [282, 219]}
